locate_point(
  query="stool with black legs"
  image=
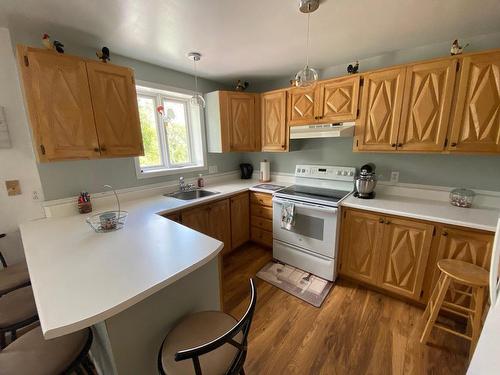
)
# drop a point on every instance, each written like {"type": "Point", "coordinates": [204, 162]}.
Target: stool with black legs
{"type": "Point", "coordinates": [17, 310]}
{"type": "Point", "coordinates": [12, 276]}
{"type": "Point", "coordinates": [208, 342]}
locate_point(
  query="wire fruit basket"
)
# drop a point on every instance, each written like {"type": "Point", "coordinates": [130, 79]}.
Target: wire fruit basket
{"type": "Point", "coordinates": [108, 221]}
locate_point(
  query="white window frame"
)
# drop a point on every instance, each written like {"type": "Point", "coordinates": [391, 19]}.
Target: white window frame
{"type": "Point", "coordinates": [195, 124]}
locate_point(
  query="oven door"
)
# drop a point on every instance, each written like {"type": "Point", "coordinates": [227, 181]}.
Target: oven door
{"type": "Point", "coordinates": [315, 227]}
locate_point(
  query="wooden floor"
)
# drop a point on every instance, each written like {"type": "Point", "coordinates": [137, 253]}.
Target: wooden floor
{"type": "Point", "coordinates": [356, 331]}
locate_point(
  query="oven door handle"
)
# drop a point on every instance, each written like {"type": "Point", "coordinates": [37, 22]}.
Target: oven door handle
{"type": "Point", "coordinates": [306, 205]}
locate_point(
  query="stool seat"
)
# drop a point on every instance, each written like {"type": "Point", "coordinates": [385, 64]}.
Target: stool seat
{"type": "Point", "coordinates": [195, 330]}
{"type": "Point", "coordinates": [17, 306]}
{"type": "Point", "coordinates": [32, 354]}
{"type": "Point", "coordinates": [13, 277]}
{"type": "Point", "coordinates": [464, 272]}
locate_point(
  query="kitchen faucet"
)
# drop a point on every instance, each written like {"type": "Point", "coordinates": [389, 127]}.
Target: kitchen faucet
{"type": "Point", "coordinates": [185, 187]}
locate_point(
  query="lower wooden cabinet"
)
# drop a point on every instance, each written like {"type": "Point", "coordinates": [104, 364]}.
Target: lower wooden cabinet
{"type": "Point", "coordinates": [211, 219]}
{"type": "Point", "coordinates": [261, 218]}
{"type": "Point", "coordinates": [240, 220]}
{"type": "Point", "coordinates": [400, 255]}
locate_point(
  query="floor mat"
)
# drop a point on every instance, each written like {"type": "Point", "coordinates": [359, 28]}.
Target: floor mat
{"type": "Point", "coordinates": [299, 283]}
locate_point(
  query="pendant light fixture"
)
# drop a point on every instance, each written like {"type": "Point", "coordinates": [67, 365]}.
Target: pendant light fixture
{"type": "Point", "coordinates": [307, 76]}
{"type": "Point", "coordinates": [197, 98]}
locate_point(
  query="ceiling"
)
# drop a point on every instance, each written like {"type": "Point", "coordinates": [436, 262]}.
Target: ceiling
{"type": "Point", "coordinates": [251, 39]}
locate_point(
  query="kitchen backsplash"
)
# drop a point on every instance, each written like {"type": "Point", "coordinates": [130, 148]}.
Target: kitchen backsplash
{"type": "Point", "coordinates": [471, 171]}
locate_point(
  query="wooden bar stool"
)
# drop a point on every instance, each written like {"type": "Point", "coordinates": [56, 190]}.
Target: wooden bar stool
{"type": "Point", "coordinates": [466, 274]}
{"type": "Point", "coordinates": [17, 310]}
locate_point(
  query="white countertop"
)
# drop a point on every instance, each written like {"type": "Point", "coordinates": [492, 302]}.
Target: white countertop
{"type": "Point", "coordinates": [484, 218]}
{"type": "Point", "coordinates": [80, 277]}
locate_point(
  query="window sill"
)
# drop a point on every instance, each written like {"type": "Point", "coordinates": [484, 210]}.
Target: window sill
{"type": "Point", "coordinates": [170, 171]}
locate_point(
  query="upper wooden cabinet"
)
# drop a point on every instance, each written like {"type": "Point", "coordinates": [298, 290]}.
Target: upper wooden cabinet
{"type": "Point", "coordinates": [58, 98]}
{"type": "Point", "coordinates": [476, 124]}
{"type": "Point", "coordinates": [274, 127]}
{"type": "Point", "coordinates": [338, 99]}
{"type": "Point", "coordinates": [75, 110]}
{"type": "Point", "coordinates": [380, 115]}
{"type": "Point", "coordinates": [331, 101]}
{"type": "Point", "coordinates": [302, 105]}
{"type": "Point", "coordinates": [114, 100]}
{"type": "Point", "coordinates": [426, 105]}
{"type": "Point", "coordinates": [233, 121]}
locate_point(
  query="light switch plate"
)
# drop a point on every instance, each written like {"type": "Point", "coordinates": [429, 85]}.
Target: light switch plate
{"type": "Point", "coordinates": [13, 187]}
{"type": "Point", "coordinates": [212, 169]}
{"type": "Point", "coordinates": [394, 177]}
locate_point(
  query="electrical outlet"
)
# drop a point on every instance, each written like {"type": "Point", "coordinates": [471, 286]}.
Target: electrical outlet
{"type": "Point", "coordinates": [35, 195]}
{"type": "Point", "coordinates": [212, 169]}
{"type": "Point", "coordinates": [394, 177]}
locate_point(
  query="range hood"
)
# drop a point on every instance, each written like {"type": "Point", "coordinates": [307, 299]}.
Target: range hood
{"type": "Point", "coordinates": [345, 129]}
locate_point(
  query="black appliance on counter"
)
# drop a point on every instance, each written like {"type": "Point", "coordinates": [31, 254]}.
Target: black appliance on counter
{"type": "Point", "coordinates": [366, 181]}
{"type": "Point", "coordinates": [246, 171]}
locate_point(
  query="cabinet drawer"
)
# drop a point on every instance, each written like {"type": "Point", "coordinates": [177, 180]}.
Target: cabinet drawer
{"type": "Point", "coordinates": [262, 199]}
{"type": "Point", "coordinates": [265, 224]}
{"type": "Point", "coordinates": [262, 236]}
{"type": "Point", "coordinates": [262, 211]}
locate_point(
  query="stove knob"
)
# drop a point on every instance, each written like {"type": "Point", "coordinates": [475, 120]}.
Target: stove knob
{"type": "Point", "coordinates": [351, 173]}
{"type": "Point", "coordinates": [339, 172]}
{"type": "Point", "coordinates": [344, 173]}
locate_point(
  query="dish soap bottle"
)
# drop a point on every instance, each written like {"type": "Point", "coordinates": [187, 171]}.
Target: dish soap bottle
{"type": "Point", "coordinates": [200, 181]}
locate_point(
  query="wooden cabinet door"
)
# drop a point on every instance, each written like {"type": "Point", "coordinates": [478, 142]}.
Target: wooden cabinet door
{"type": "Point", "coordinates": [114, 100]}
{"type": "Point", "coordinates": [380, 110]}
{"type": "Point", "coordinates": [462, 244]}
{"type": "Point", "coordinates": [240, 220]}
{"type": "Point", "coordinates": [197, 219]}
{"type": "Point", "coordinates": [59, 104]}
{"type": "Point", "coordinates": [427, 106]}
{"type": "Point", "coordinates": [219, 219]}
{"type": "Point", "coordinates": [242, 121]}
{"type": "Point", "coordinates": [362, 238]}
{"type": "Point", "coordinates": [406, 247]}
{"type": "Point", "coordinates": [302, 105]}
{"type": "Point", "coordinates": [339, 99]}
{"type": "Point", "coordinates": [476, 124]}
{"type": "Point", "coordinates": [274, 127]}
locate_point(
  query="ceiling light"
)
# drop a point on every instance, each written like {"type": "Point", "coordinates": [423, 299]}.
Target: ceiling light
{"type": "Point", "coordinates": [197, 98]}
{"type": "Point", "coordinates": [307, 76]}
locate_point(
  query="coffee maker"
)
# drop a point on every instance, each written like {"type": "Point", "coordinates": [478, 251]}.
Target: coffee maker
{"type": "Point", "coordinates": [366, 182]}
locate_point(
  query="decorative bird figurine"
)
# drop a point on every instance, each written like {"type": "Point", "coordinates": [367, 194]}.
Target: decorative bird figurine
{"type": "Point", "coordinates": [457, 49]}
{"type": "Point", "coordinates": [241, 86]}
{"type": "Point", "coordinates": [103, 54]}
{"type": "Point", "coordinates": [59, 46]}
{"type": "Point", "coordinates": [353, 69]}
{"type": "Point", "coordinates": [46, 41]}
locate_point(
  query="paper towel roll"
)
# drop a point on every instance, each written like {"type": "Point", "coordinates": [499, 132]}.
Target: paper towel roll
{"type": "Point", "coordinates": [265, 171]}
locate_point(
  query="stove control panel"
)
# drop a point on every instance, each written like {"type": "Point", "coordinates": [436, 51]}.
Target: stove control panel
{"type": "Point", "coordinates": [327, 172]}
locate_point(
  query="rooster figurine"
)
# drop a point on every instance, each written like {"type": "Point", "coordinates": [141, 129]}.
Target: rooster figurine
{"type": "Point", "coordinates": [103, 54]}
{"type": "Point", "coordinates": [46, 41]}
{"type": "Point", "coordinates": [353, 69]}
{"type": "Point", "coordinates": [241, 86]}
{"type": "Point", "coordinates": [59, 46]}
{"type": "Point", "coordinates": [457, 49]}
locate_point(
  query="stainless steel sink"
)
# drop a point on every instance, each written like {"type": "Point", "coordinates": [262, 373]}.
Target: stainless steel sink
{"type": "Point", "coordinates": [193, 194]}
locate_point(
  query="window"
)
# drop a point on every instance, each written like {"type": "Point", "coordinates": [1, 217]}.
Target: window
{"type": "Point", "coordinates": [172, 132]}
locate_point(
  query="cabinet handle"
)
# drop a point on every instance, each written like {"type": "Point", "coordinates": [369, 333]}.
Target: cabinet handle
{"type": "Point", "coordinates": [387, 222]}
{"type": "Point", "coordinates": [400, 145]}
{"type": "Point", "coordinates": [453, 144]}
{"type": "Point", "coordinates": [393, 145]}
{"type": "Point", "coordinates": [96, 149]}
{"type": "Point", "coordinates": [103, 148]}
{"type": "Point", "coordinates": [445, 233]}
{"type": "Point", "coordinates": [381, 221]}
